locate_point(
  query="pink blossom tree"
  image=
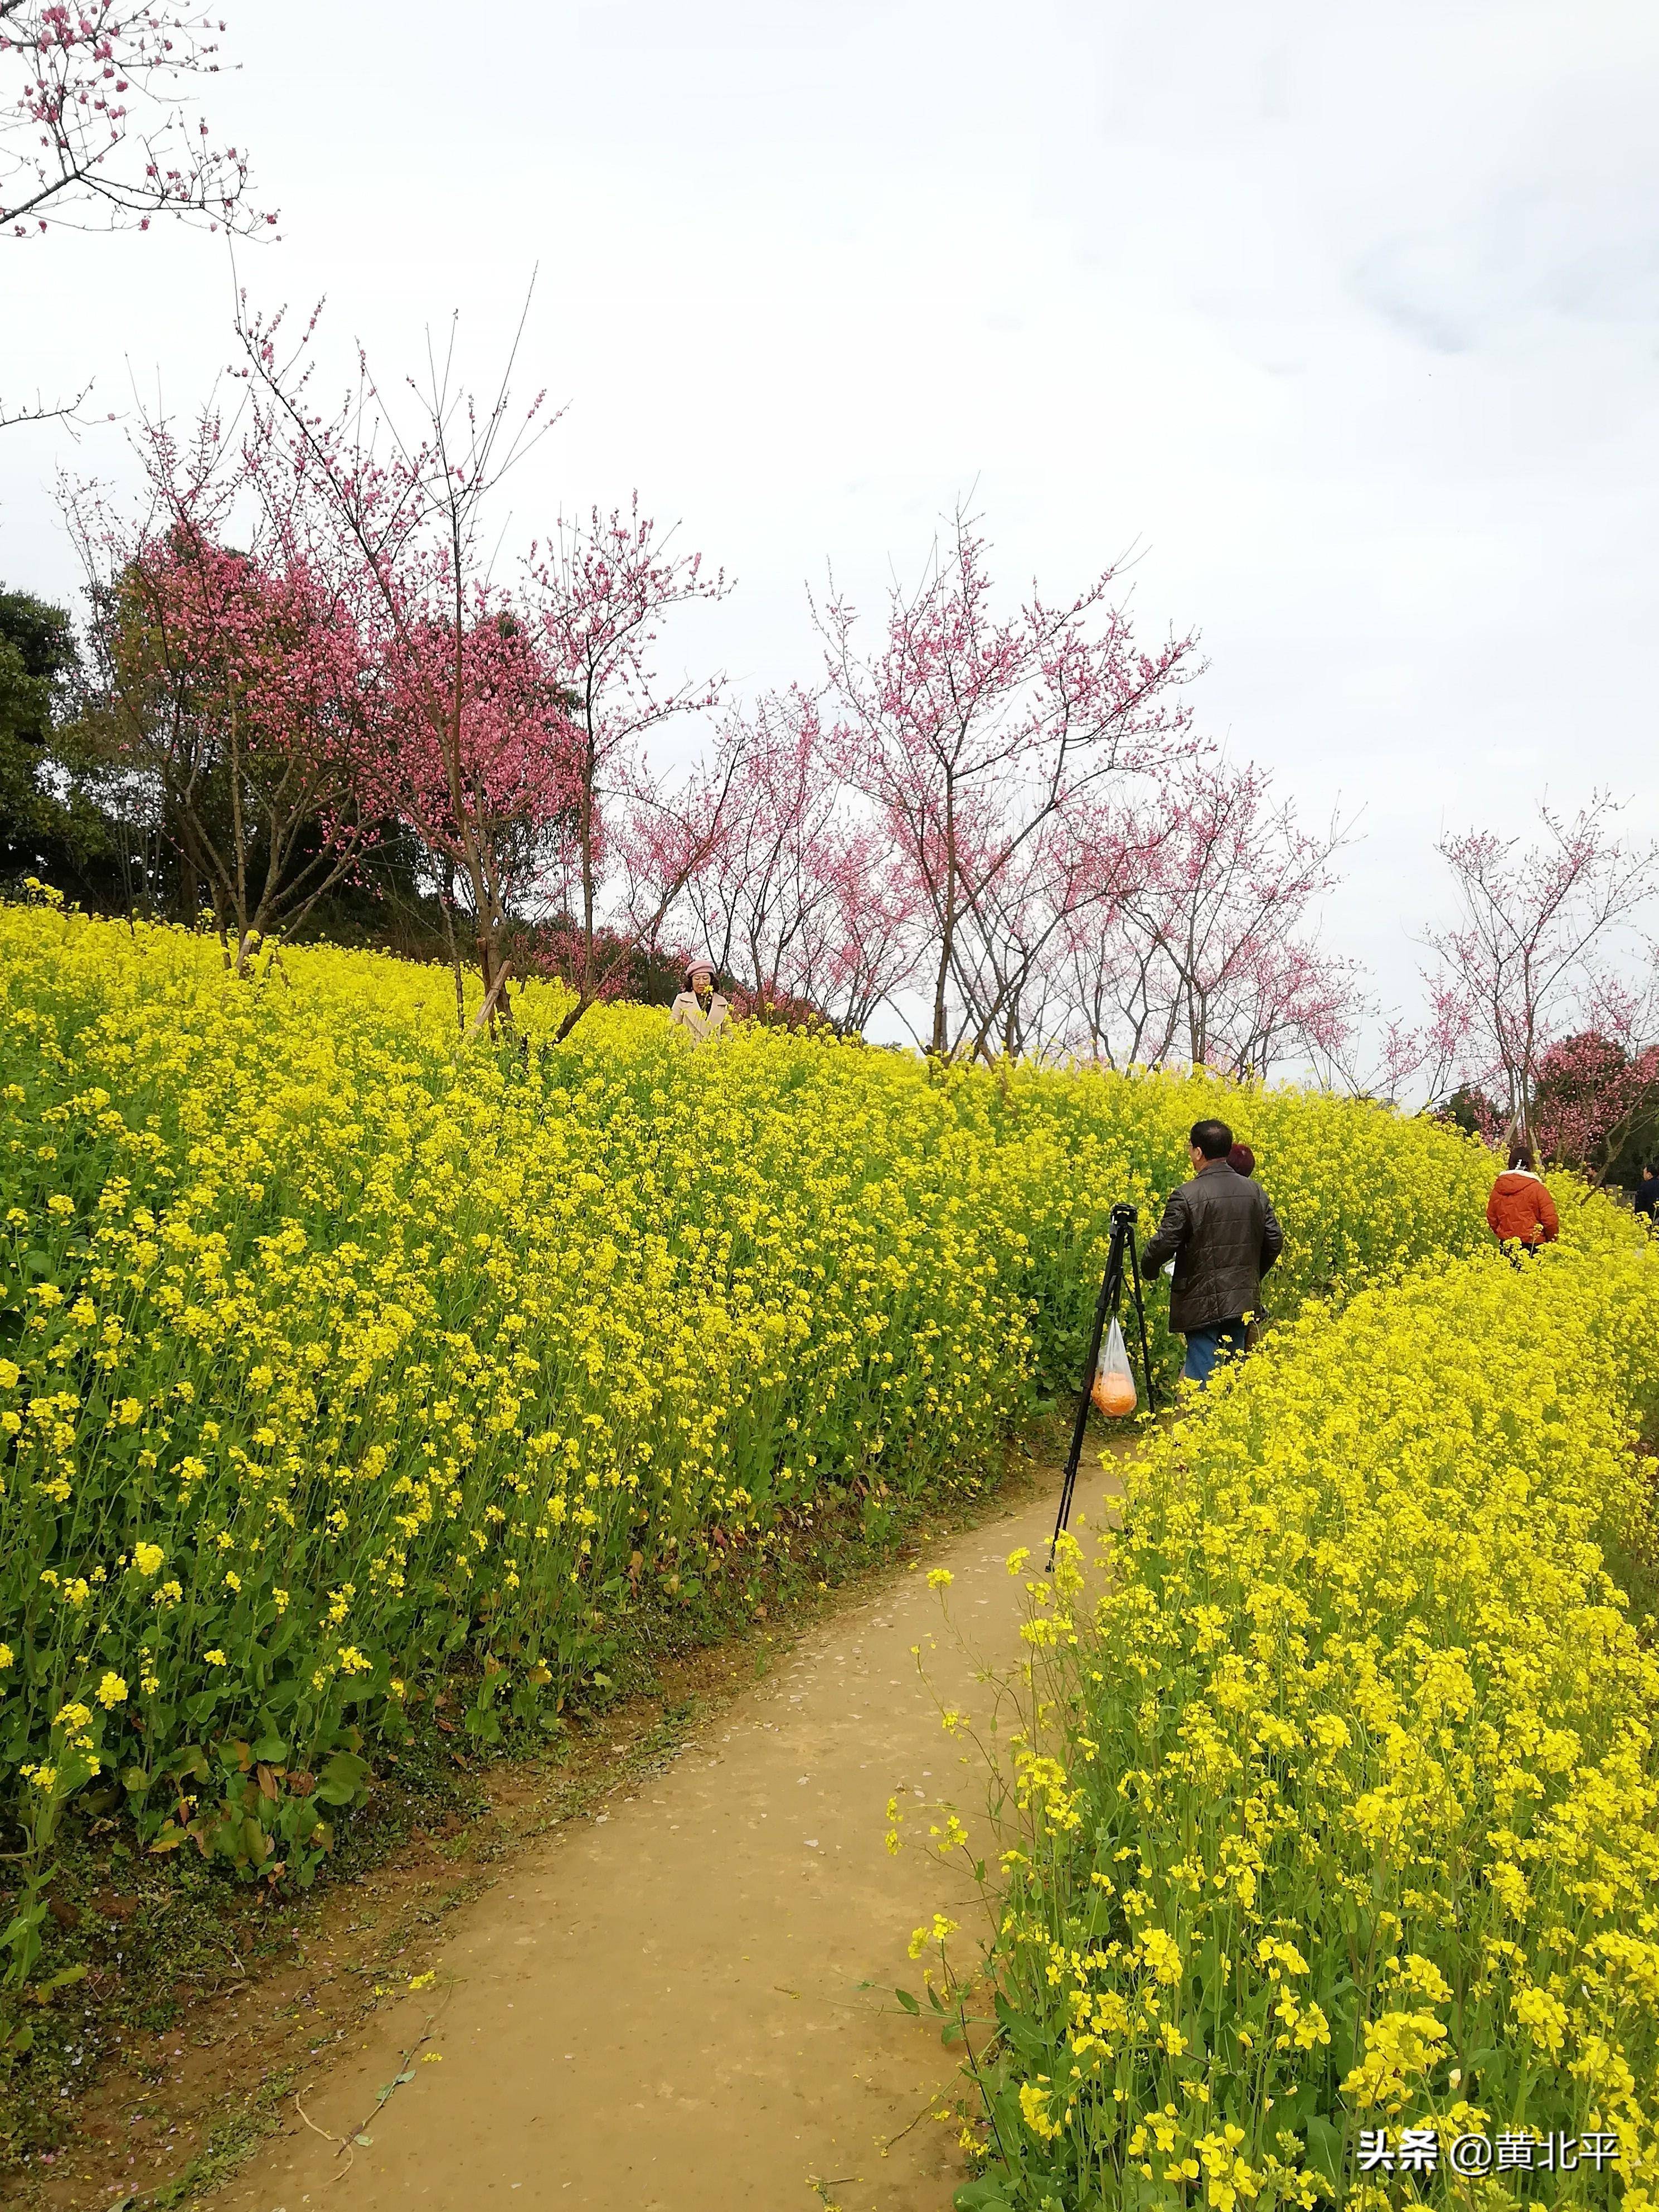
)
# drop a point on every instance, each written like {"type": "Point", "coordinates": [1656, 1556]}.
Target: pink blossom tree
{"type": "Point", "coordinates": [1123, 1008]}
{"type": "Point", "coordinates": [524, 715]}
{"type": "Point", "coordinates": [1592, 1093]}
{"type": "Point", "coordinates": [1293, 1002]}
{"type": "Point", "coordinates": [486, 792]}
{"type": "Point", "coordinates": [1542, 932]}
{"type": "Point", "coordinates": [800, 902]}
{"type": "Point", "coordinates": [765, 904]}
{"type": "Point", "coordinates": [598, 596]}
{"type": "Point", "coordinates": [968, 733]}
{"type": "Point", "coordinates": [1204, 952]}
{"type": "Point", "coordinates": [234, 682]}
{"type": "Point", "coordinates": [94, 127]}
{"type": "Point", "coordinates": [875, 939]}
{"type": "Point", "coordinates": [406, 517]}
{"type": "Point", "coordinates": [1059, 888]}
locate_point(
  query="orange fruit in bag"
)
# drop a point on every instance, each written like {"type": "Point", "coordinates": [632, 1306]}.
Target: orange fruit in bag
{"type": "Point", "coordinates": [1114, 1394]}
{"type": "Point", "coordinates": [1113, 1387]}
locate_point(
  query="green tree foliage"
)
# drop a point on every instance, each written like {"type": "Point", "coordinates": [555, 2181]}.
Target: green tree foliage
{"type": "Point", "coordinates": [47, 826]}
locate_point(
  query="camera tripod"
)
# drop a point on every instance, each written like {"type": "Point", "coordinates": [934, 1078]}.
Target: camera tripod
{"type": "Point", "coordinates": [1111, 1297]}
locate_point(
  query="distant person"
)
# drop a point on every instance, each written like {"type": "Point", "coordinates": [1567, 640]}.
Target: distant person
{"type": "Point", "coordinates": [1520, 1210]}
{"type": "Point", "coordinates": [1222, 1235]}
{"type": "Point", "coordinates": [700, 1010]}
{"type": "Point", "coordinates": [1646, 1200]}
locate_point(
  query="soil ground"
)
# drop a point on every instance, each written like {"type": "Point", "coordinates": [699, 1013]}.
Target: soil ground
{"type": "Point", "coordinates": [686, 2000]}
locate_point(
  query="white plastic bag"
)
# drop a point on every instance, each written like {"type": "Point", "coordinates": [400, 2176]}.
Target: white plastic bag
{"type": "Point", "coordinates": [1113, 1387]}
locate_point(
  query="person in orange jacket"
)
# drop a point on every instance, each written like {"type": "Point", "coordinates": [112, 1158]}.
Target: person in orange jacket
{"type": "Point", "coordinates": [1520, 1210]}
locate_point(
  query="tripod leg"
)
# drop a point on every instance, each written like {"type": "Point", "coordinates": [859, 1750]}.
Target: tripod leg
{"type": "Point", "coordinates": [1111, 1287]}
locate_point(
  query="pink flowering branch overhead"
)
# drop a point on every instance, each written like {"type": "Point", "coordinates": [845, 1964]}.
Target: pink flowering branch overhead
{"type": "Point", "coordinates": [96, 126]}
{"type": "Point", "coordinates": [41, 410]}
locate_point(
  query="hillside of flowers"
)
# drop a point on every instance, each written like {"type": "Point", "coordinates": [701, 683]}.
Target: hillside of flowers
{"type": "Point", "coordinates": [345, 1360]}
{"type": "Point", "coordinates": [1337, 1817]}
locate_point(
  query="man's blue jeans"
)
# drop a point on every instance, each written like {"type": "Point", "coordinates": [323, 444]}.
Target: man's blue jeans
{"type": "Point", "coordinates": [1205, 1345]}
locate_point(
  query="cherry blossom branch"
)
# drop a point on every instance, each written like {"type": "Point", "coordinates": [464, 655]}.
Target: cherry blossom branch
{"type": "Point", "coordinates": [94, 128]}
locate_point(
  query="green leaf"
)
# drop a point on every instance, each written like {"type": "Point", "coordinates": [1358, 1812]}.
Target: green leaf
{"type": "Point", "coordinates": [1324, 2142]}
{"type": "Point", "coordinates": [484, 1723]}
{"type": "Point", "coordinates": [1027, 2038]}
{"type": "Point", "coordinates": [981, 2196]}
{"type": "Point", "coordinates": [342, 1778]}
{"type": "Point", "coordinates": [62, 1980]}
{"type": "Point", "coordinates": [935, 1999]}
{"type": "Point", "coordinates": [907, 2000]}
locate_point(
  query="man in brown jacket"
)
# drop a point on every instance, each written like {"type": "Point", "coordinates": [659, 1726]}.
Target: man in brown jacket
{"type": "Point", "coordinates": [1222, 1233]}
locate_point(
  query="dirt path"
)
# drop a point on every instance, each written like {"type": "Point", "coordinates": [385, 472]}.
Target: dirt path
{"type": "Point", "coordinates": [662, 2008]}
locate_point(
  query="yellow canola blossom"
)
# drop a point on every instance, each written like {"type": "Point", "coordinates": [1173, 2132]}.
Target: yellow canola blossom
{"type": "Point", "coordinates": [343, 1354]}
{"type": "Point", "coordinates": [1342, 1811]}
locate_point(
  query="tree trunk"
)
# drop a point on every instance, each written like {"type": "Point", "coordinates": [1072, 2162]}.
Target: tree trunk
{"type": "Point", "coordinates": [444, 907]}
{"type": "Point", "coordinates": [587, 875]}
{"type": "Point", "coordinates": [941, 1045]}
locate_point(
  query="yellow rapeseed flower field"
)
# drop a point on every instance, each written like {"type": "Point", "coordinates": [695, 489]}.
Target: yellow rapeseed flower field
{"type": "Point", "coordinates": [341, 1358]}
{"type": "Point", "coordinates": [1331, 1807]}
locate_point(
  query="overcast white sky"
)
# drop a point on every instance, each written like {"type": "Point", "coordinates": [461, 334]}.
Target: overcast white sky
{"type": "Point", "coordinates": [1348, 319]}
